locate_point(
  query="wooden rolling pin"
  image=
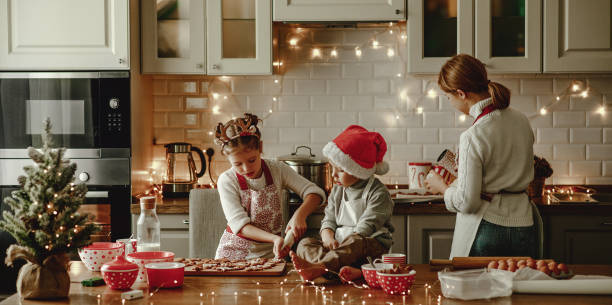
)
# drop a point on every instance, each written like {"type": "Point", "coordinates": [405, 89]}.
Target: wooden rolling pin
{"type": "Point", "coordinates": [474, 261]}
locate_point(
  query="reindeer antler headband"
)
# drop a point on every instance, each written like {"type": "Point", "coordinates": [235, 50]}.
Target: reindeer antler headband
{"type": "Point", "coordinates": [239, 127]}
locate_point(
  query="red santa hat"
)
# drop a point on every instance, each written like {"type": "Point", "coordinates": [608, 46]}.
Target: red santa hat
{"type": "Point", "coordinates": [358, 152]}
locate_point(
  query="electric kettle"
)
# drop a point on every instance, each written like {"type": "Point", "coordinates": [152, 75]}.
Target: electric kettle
{"type": "Point", "coordinates": [181, 175]}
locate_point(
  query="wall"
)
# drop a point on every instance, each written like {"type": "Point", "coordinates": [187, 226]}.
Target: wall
{"type": "Point", "coordinates": [317, 98]}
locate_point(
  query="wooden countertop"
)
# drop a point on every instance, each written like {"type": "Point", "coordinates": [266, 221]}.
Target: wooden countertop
{"type": "Point", "coordinates": [244, 290]}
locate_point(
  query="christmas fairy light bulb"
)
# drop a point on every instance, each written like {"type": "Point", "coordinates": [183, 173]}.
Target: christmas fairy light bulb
{"type": "Point", "coordinates": [333, 53]}
{"type": "Point", "coordinates": [602, 110]}
{"type": "Point", "coordinates": [399, 75]}
{"type": "Point", "coordinates": [390, 52]}
{"type": "Point", "coordinates": [575, 87]}
{"type": "Point", "coordinates": [316, 53]}
{"type": "Point", "coordinates": [215, 95]}
{"type": "Point", "coordinates": [558, 98]}
{"type": "Point", "coordinates": [274, 99]}
{"type": "Point", "coordinates": [462, 118]}
{"type": "Point", "coordinates": [293, 42]}
{"type": "Point", "coordinates": [404, 37]}
{"type": "Point", "coordinates": [543, 111]}
{"type": "Point", "coordinates": [215, 109]}
{"type": "Point", "coordinates": [584, 94]}
{"type": "Point", "coordinates": [419, 110]}
{"type": "Point", "coordinates": [225, 97]}
{"type": "Point", "coordinates": [431, 93]}
{"type": "Point", "coordinates": [357, 52]}
{"type": "Point", "coordinates": [375, 44]}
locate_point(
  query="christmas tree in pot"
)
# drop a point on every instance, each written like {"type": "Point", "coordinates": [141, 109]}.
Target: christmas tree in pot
{"type": "Point", "coordinates": [45, 222]}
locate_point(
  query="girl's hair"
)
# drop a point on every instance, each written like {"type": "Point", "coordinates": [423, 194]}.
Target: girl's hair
{"type": "Point", "coordinates": [239, 133]}
{"type": "Point", "coordinates": [467, 73]}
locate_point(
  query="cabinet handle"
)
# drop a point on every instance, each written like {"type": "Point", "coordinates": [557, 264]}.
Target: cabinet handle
{"type": "Point", "coordinates": [606, 223]}
{"type": "Point", "coordinates": [121, 61]}
{"type": "Point", "coordinates": [397, 12]}
{"type": "Point", "coordinates": [186, 221]}
{"type": "Point", "coordinates": [199, 66]}
{"type": "Point", "coordinates": [216, 67]}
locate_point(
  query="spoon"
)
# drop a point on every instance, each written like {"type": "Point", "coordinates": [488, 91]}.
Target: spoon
{"type": "Point", "coordinates": [370, 261]}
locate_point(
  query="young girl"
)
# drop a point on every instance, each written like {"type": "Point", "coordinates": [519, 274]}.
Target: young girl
{"type": "Point", "coordinates": [250, 195]}
{"type": "Point", "coordinates": [494, 214]}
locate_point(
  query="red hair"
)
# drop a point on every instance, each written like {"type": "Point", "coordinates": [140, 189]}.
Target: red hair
{"type": "Point", "coordinates": [466, 73]}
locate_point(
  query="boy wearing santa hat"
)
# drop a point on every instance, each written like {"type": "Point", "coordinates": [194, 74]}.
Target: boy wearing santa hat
{"type": "Point", "coordinates": [357, 221]}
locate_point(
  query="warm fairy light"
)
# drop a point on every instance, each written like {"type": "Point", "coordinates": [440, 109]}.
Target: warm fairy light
{"type": "Point", "coordinates": [225, 97]}
{"type": "Point", "coordinates": [275, 99]}
{"type": "Point", "coordinates": [75, 231]}
{"type": "Point", "coordinates": [399, 75]}
{"type": "Point", "coordinates": [584, 94]}
{"type": "Point", "coordinates": [215, 109]}
{"type": "Point", "coordinates": [333, 53]}
{"type": "Point", "coordinates": [39, 215]}
{"type": "Point", "coordinates": [293, 42]}
{"type": "Point", "coordinates": [61, 228]}
{"type": "Point", "coordinates": [54, 212]}
{"type": "Point", "coordinates": [390, 52]}
{"type": "Point", "coordinates": [404, 37]}
{"type": "Point", "coordinates": [57, 235]}
{"type": "Point", "coordinates": [270, 111]}
{"type": "Point", "coordinates": [431, 93]}
{"type": "Point", "coordinates": [558, 98]}
{"type": "Point", "coordinates": [575, 87]}
{"type": "Point", "coordinates": [375, 44]}
{"type": "Point", "coordinates": [235, 293]}
{"type": "Point", "coordinates": [543, 111]}
{"type": "Point", "coordinates": [316, 52]}
{"type": "Point", "coordinates": [602, 111]}
{"type": "Point", "coordinates": [357, 52]}
{"type": "Point", "coordinates": [419, 110]}
{"type": "Point", "coordinates": [49, 206]}
{"type": "Point", "coordinates": [276, 81]}
{"type": "Point", "coordinates": [215, 95]}
{"type": "Point", "coordinates": [224, 78]}
{"type": "Point", "coordinates": [462, 118]}
{"type": "Point", "coordinates": [397, 116]}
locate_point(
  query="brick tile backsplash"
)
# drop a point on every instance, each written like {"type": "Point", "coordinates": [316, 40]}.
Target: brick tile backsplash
{"type": "Point", "coordinates": [312, 100]}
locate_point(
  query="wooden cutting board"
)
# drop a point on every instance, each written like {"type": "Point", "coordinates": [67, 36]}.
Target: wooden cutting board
{"type": "Point", "coordinates": [278, 270]}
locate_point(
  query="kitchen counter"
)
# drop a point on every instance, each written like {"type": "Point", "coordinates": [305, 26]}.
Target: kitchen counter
{"type": "Point", "coordinates": [244, 290]}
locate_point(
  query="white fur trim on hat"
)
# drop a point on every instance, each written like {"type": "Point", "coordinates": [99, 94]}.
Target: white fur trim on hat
{"type": "Point", "coordinates": [344, 161]}
{"type": "Point", "coordinates": [382, 168]}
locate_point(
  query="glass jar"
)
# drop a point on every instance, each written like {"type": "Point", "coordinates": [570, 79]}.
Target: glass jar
{"type": "Point", "coordinates": [147, 228]}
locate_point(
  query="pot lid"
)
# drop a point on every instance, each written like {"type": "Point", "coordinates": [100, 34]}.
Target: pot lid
{"type": "Point", "coordinates": [119, 264]}
{"type": "Point", "coordinates": [302, 159]}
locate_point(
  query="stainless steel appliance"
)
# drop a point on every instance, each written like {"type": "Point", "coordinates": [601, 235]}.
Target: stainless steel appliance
{"type": "Point", "coordinates": [181, 175]}
{"type": "Point", "coordinates": [310, 167]}
{"type": "Point", "coordinates": [90, 114]}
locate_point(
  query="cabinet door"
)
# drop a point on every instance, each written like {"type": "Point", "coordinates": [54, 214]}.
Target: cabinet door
{"type": "Point", "coordinates": [174, 233]}
{"type": "Point", "coordinates": [577, 36]}
{"type": "Point", "coordinates": [173, 36]}
{"type": "Point", "coordinates": [437, 30]}
{"type": "Point", "coordinates": [578, 239]}
{"type": "Point", "coordinates": [429, 236]}
{"type": "Point", "coordinates": [339, 10]}
{"type": "Point", "coordinates": [508, 35]}
{"type": "Point", "coordinates": [64, 35]}
{"type": "Point", "coordinates": [239, 37]}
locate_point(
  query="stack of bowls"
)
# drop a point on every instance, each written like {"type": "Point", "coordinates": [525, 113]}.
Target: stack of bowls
{"type": "Point", "coordinates": [98, 253]}
{"type": "Point", "coordinates": [119, 273]}
{"type": "Point", "coordinates": [143, 258]}
{"type": "Point", "coordinates": [165, 275]}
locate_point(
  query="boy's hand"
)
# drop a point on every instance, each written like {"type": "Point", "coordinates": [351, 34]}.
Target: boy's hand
{"type": "Point", "coordinates": [298, 225]}
{"type": "Point", "coordinates": [279, 251]}
{"type": "Point", "coordinates": [329, 239]}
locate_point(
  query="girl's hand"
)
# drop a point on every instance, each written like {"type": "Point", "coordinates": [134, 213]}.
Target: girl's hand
{"type": "Point", "coordinates": [329, 239]}
{"type": "Point", "coordinates": [279, 251]}
{"type": "Point", "coordinates": [435, 184]}
{"type": "Point", "coordinates": [298, 225]}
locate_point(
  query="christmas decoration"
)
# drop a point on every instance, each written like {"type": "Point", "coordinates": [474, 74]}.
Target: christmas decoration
{"type": "Point", "coordinates": [45, 222]}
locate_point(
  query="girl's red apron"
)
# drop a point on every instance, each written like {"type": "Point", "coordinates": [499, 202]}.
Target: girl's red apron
{"type": "Point", "coordinates": [264, 208]}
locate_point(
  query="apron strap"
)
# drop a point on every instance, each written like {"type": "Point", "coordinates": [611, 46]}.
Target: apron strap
{"type": "Point", "coordinates": [242, 182]}
{"type": "Point", "coordinates": [366, 190]}
{"type": "Point", "coordinates": [267, 173]}
{"type": "Point", "coordinates": [489, 196]}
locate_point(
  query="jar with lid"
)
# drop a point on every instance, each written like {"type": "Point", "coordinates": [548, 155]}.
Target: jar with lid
{"type": "Point", "coordinates": [147, 228]}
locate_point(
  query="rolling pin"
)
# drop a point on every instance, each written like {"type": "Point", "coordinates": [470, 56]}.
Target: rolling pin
{"type": "Point", "coordinates": [473, 262]}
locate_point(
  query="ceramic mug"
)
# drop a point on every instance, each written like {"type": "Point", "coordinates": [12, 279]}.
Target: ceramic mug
{"type": "Point", "coordinates": [443, 172]}
{"type": "Point", "coordinates": [393, 258]}
{"type": "Point", "coordinates": [448, 160]}
{"type": "Point", "coordinates": [416, 174]}
{"type": "Point", "coordinates": [129, 245]}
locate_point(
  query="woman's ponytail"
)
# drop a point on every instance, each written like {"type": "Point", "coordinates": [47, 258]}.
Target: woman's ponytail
{"type": "Point", "coordinates": [499, 94]}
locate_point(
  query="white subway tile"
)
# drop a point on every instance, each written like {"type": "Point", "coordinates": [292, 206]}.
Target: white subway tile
{"type": "Point", "coordinates": [247, 86]}
{"type": "Point", "coordinates": [168, 135]}
{"type": "Point", "coordinates": [277, 86]}
{"type": "Point", "coordinates": [427, 103]}
{"type": "Point", "coordinates": [536, 86]}
{"type": "Point", "coordinates": [598, 180]}
{"type": "Point", "coordinates": [272, 150]}
{"type": "Point", "coordinates": [309, 119]}
{"type": "Point", "coordinates": [450, 135]}
{"type": "Point", "coordinates": [552, 104]}
{"type": "Point", "coordinates": [325, 71]}
{"type": "Point", "coordinates": [388, 70]}
{"type": "Point", "coordinates": [342, 87]}
{"type": "Point", "coordinates": [358, 103]}
{"type": "Point", "coordinates": [407, 86]}
{"type": "Point", "coordinates": [371, 120]}
{"type": "Point", "coordinates": [512, 84]}
{"type": "Point", "coordinates": [560, 84]}
{"type": "Point", "coordinates": [323, 135]}
{"type": "Point", "coordinates": [410, 120]}
{"type": "Point", "coordinates": [196, 103]}
{"type": "Point", "coordinates": [431, 152]}
{"type": "Point", "coordinates": [405, 152]}
{"type": "Point", "coordinates": [569, 119]}
{"type": "Point", "coordinates": [396, 169]}
{"type": "Point", "coordinates": [553, 136]}
{"type": "Point", "coordinates": [463, 120]}
{"type": "Point", "coordinates": [310, 87]}
{"type": "Point", "coordinates": [387, 103]}
{"type": "Point", "coordinates": [294, 135]}
{"type": "Point", "coordinates": [341, 119]}
{"type": "Point", "coordinates": [280, 119]}
{"type": "Point", "coordinates": [585, 135]}
{"type": "Point", "coordinates": [569, 152]}
{"type": "Point", "coordinates": [595, 119]}
{"type": "Point", "coordinates": [182, 87]}
{"type": "Point", "coordinates": [168, 103]}
{"type": "Point", "coordinates": [356, 70]}
{"type": "Point", "coordinates": [374, 86]}
{"type": "Point", "coordinates": [423, 135]}
{"type": "Point", "coordinates": [159, 119]}
{"type": "Point", "coordinates": [160, 86]}
{"type": "Point", "coordinates": [560, 168]}
{"type": "Point", "coordinates": [204, 86]}
{"type": "Point", "coordinates": [607, 168]}
{"type": "Point", "coordinates": [326, 103]}
{"type": "Point", "coordinates": [599, 152]}
{"type": "Point", "coordinates": [525, 104]}
{"type": "Point", "coordinates": [585, 168]}
{"type": "Point", "coordinates": [297, 71]}
{"type": "Point", "coordinates": [197, 136]}
{"type": "Point", "coordinates": [541, 121]}
{"type": "Point", "coordinates": [269, 135]}
{"type": "Point", "coordinates": [378, 54]}
{"type": "Point", "coordinates": [601, 84]}
{"type": "Point", "coordinates": [177, 119]}
{"type": "Point", "coordinates": [294, 103]}
{"type": "Point", "coordinates": [326, 37]}
{"type": "Point", "coordinates": [260, 103]}
{"type": "Point", "coordinates": [568, 180]}
{"type": "Point", "coordinates": [543, 150]}
{"type": "Point", "coordinates": [590, 103]}
{"type": "Point", "coordinates": [438, 119]}
{"type": "Point", "coordinates": [357, 37]}
{"type": "Point", "coordinates": [607, 138]}
{"type": "Point", "coordinates": [393, 135]}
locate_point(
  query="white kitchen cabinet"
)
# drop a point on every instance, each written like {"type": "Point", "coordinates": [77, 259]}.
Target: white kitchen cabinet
{"type": "Point", "coordinates": [239, 34]}
{"type": "Point", "coordinates": [429, 237]}
{"type": "Point", "coordinates": [64, 35]}
{"type": "Point", "coordinates": [174, 233]}
{"type": "Point", "coordinates": [577, 36]}
{"type": "Point", "coordinates": [339, 10]}
{"type": "Point", "coordinates": [173, 39]}
{"type": "Point", "coordinates": [508, 35]}
{"type": "Point", "coordinates": [437, 30]}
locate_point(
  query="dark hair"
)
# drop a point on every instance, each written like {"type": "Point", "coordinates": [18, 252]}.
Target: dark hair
{"type": "Point", "coordinates": [468, 74]}
{"type": "Point", "coordinates": [239, 133]}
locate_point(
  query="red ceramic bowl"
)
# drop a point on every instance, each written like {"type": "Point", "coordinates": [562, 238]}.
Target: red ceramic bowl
{"type": "Point", "coordinates": [165, 275]}
{"type": "Point", "coordinates": [369, 273]}
{"type": "Point", "coordinates": [396, 283]}
{"type": "Point", "coordinates": [119, 273]}
{"type": "Point", "coordinates": [98, 253]}
{"type": "Point", "coordinates": [143, 258]}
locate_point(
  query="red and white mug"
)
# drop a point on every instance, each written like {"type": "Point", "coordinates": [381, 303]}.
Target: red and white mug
{"type": "Point", "coordinates": [443, 172]}
{"type": "Point", "coordinates": [416, 174]}
{"type": "Point", "coordinates": [129, 245]}
{"type": "Point", "coordinates": [393, 258]}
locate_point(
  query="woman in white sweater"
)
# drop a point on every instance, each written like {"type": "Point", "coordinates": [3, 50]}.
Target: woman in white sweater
{"type": "Point", "coordinates": [494, 214]}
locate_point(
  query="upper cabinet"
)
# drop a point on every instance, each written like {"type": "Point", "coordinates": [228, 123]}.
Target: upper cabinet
{"type": "Point", "coordinates": [64, 35]}
{"type": "Point", "coordinates": [339, 10]}
{"type": "Point", "coordinates": [577, 36]}
{"type": "Point", "coordinates": [222, 37]}
{"type": "Point", "coordinates": [173, 39]}
{"type": "Point", "coordinates": [503, 34]}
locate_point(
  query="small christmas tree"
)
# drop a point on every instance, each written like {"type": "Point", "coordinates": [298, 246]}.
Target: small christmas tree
{"type": "Point", "coordinates": [44, 218]}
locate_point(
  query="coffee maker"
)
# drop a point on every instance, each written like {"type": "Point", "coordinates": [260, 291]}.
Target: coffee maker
{"type": "Point", "coordinates": [181, 175]}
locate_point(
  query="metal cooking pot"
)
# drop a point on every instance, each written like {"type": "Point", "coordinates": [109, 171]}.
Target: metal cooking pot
{"type": "Point", "coordinates": [310, 167]}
